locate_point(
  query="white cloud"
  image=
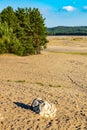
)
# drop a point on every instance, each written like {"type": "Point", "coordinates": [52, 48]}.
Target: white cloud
{"type": "Point", "coordinates": [85, 7]}
{"type": "Point", "coordinates": [68, 8]}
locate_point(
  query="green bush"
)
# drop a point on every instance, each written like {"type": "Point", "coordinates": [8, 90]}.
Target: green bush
{"type": "Point", "coordinates": [2, 47]}
{"type": "Point", "coordinates": [28, 49]}
{"type": "Point", "coordinates": [22, 31]}
{"type": "Point", "coordinates": [6, 42]}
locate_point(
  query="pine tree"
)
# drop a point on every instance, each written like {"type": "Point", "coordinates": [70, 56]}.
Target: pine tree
{"type": "Point", "coordinates": [25, 30]}
{"type": "Point", "coordinates": [38, 30]}
{"type": "Point", "coordinates": [8, 15]}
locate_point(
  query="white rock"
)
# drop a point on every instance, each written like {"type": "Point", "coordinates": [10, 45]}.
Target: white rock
{"type": "Point", "coordinates": [44, 108]}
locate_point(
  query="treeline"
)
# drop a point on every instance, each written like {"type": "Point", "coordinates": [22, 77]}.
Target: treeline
{"type": "Point", "coordinates": [22, 31]}
{"type": "Point", "coordinates": [60, 30]}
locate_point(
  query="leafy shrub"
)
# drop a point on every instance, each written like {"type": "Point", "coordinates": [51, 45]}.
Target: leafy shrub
{"type": "Point", "coordinates": [2, 47]}
{"type": "Point", "coordinates": [22, 32]}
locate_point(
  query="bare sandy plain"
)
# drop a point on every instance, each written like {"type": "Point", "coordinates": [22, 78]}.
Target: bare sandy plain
{"type": "Point", "coordinates": [68, 44]}
{"type": "Point", "coordinates": [59, 78]}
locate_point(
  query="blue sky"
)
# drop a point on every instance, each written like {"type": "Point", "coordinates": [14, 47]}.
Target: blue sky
{"type": "Point", "coordinates": [56, 12]}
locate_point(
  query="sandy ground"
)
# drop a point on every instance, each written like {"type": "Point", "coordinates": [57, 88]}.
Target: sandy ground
{"type": "Point", "coordinates": [55, 77]}
{"type": "Point", "coordinates": [67, 44]}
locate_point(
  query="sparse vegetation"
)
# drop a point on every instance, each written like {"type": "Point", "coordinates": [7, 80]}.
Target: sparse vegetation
{"type": "Point", "coordinates": [73, 53]}
{"type": "Point", "coordinates": [20, 81]}
{"type": "Point", "coordinates": [39, 83]}
{"type": "Point", "coordinates": [9, 80]}
{"type": "Point", "coordinates": [54, 86]}
{"type": "Point", "coordinates": [76, 53]}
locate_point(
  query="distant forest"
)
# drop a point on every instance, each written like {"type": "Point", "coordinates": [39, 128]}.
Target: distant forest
{"type": "Point", "coordinates": [61, 30]}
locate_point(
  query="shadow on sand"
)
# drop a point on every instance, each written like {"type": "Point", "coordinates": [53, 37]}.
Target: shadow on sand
{"type": "Point", "coordinates": [22, 105]}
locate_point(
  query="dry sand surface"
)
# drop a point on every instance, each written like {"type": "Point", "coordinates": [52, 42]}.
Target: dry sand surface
{"type": "Point", "coordinates": [58, 78]}
{"type": "Point", "coordinates": [67, 43]}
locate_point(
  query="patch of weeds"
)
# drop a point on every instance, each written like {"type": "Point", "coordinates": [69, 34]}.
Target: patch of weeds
{"type": "Point", "coordinates": [39, 83]}
{"type": "Point", "coordinates": [20, 81]}
{"type": "Point", "coordinates": [54, 86]}
{"type": "Point", "coordinates": [9, 80]}
{"type": "Point", "coordinates": [73, 53]}
{"type": "Point", "coordinates": [76, 53]}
